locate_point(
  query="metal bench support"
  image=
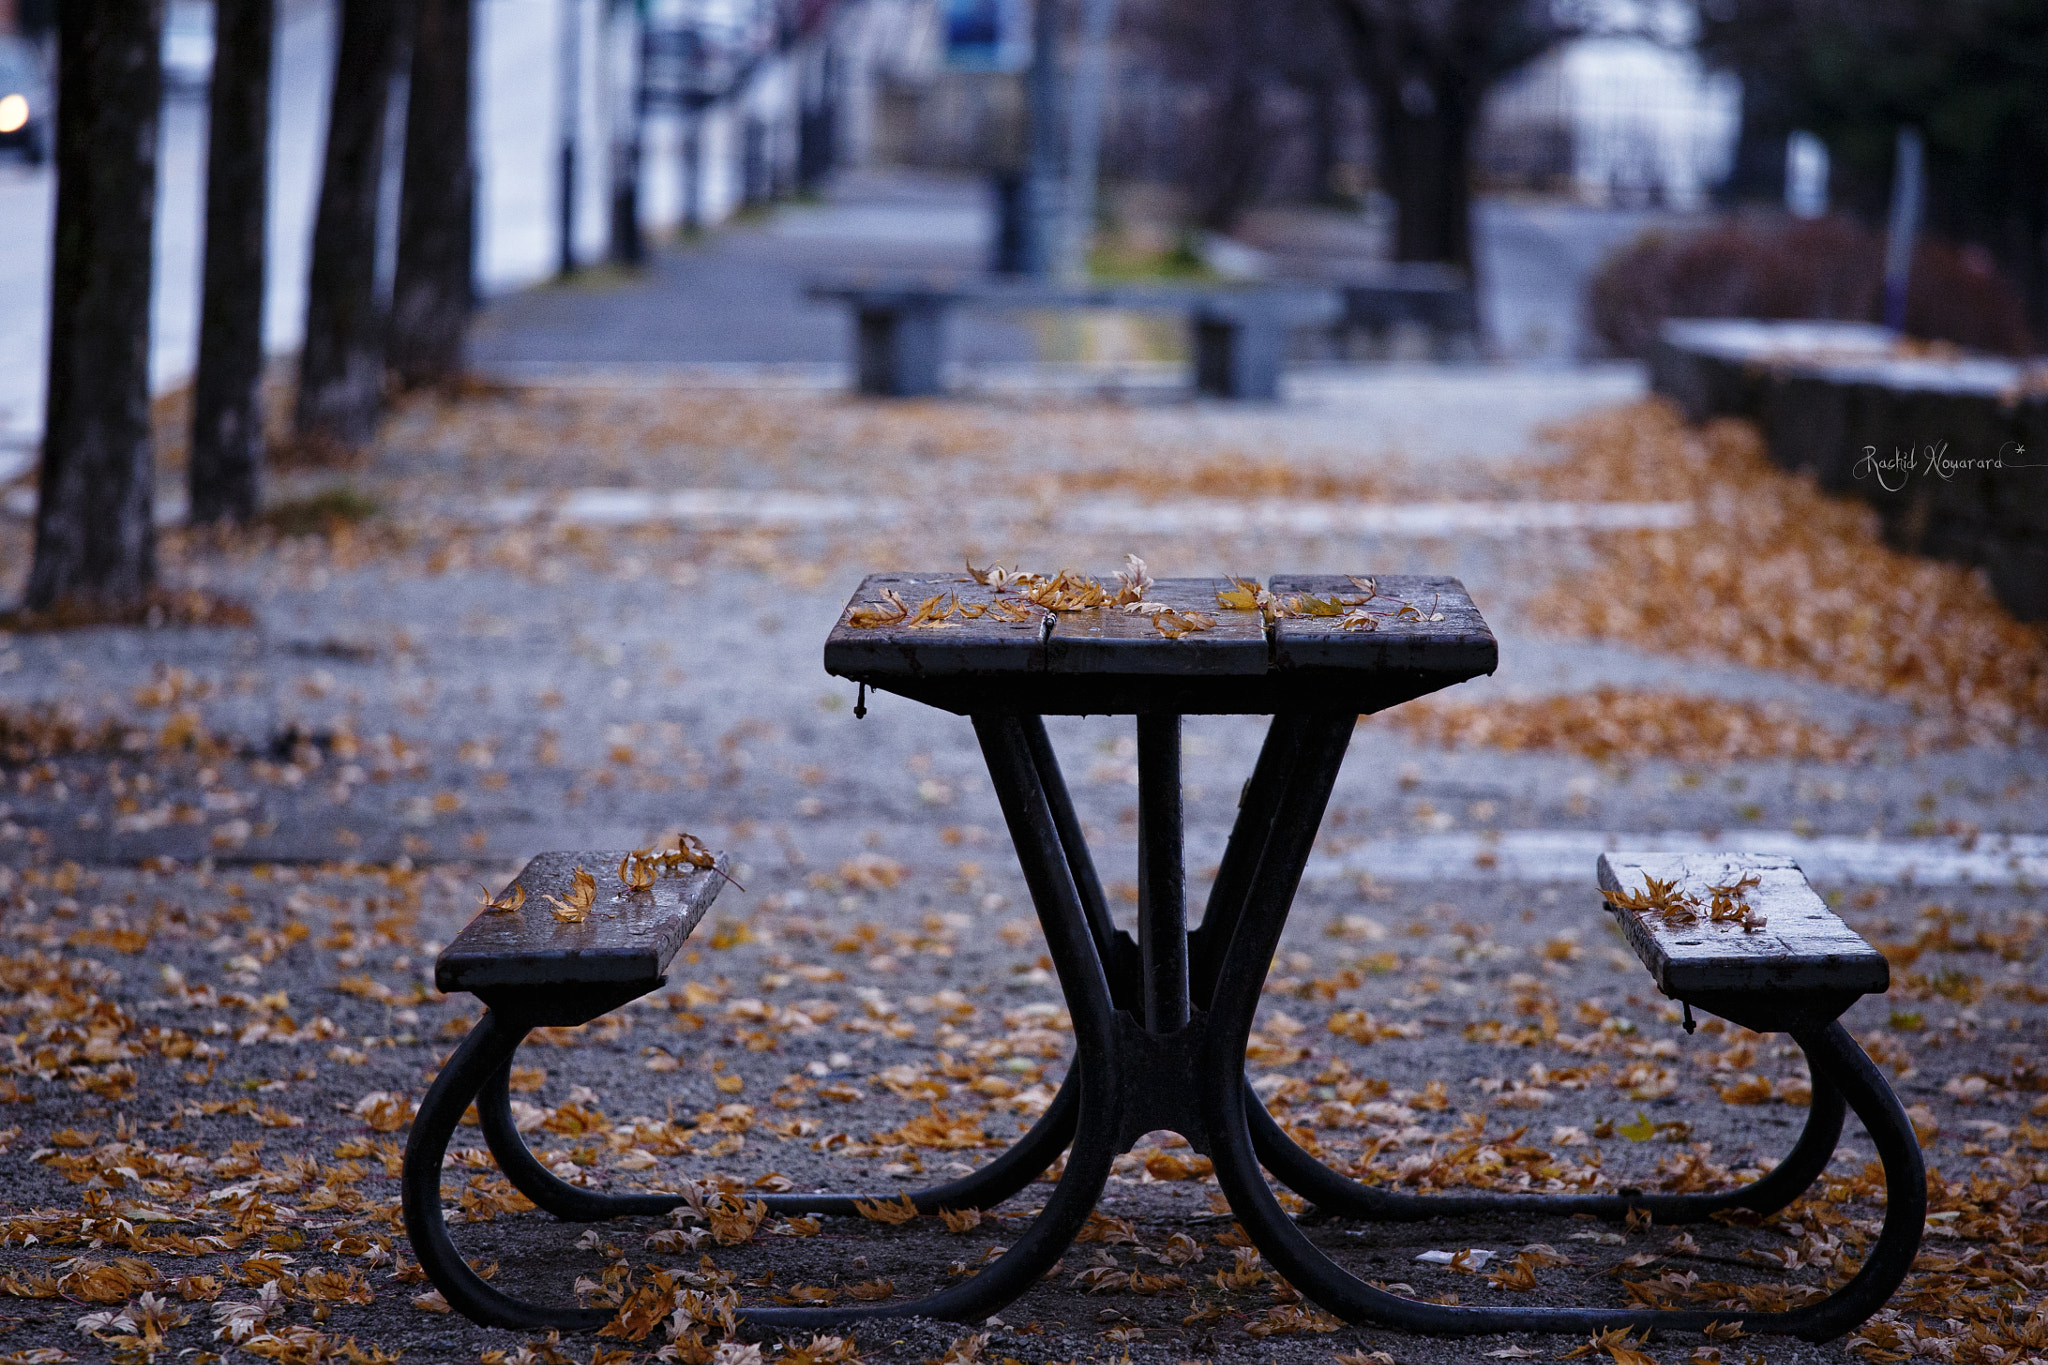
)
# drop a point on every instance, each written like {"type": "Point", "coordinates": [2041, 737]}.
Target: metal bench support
{"type": "Point", "coordinates": [1160, 1032]}
{"type": "Point", "coordinates": [900, 345]}
{"type": "Point", "coordinates": [1239, 352]}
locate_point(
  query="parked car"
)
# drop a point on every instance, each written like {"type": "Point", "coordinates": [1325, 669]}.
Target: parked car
{"type": "Point", "coordinates": [188, 46]}
{"type": "Point", "coordinates": [24, 100]}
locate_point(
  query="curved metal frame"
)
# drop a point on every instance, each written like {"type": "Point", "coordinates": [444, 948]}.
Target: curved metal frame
{"type": "Point", "coordinates": [1160, 1032]}
{"type": "Point", "coordinates": [1339, 1194]}
{"type": "Point", "coordinates": [1019, 1164]}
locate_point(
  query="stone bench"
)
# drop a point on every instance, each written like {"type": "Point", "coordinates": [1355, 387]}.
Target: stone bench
{"type": "Point", "coordinates": [1436, 298]}
{"type": "Point", "coordinates": [1238, 333]}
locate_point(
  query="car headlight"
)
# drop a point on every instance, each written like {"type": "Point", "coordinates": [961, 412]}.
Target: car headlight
{"type": "Point", "coordinates": [13, 113]}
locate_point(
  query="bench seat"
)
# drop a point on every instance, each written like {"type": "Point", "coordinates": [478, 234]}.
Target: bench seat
{"type": "Point", "coordinates": [1800, 970]}
{"type": "Point", "coordinates": [527, 961]}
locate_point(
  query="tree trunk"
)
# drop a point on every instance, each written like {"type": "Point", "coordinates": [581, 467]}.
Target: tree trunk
{"type": "Point", "coordinates": [95, 540]}
{"type": "Point", "coordinates": [1231, 171]}
{"type": "Point", "coordinates": [430, 298]}
{"type": "Point", "coordinates": [1425, 153]}
{"type": "Point", "coordinates": [227, 408]}
{"type": "Point", "coordinates": [1325, 108]}
{"type": "Point", "coordinates": [341, 370]}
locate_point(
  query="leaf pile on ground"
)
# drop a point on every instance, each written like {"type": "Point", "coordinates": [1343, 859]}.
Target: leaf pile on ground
{"type": "Point", "coordinates": [1775, 574]}
{"type": "Point", "coordinates": [1620, 724]}
{"type": "Point", "coordinates": [210, 1075]}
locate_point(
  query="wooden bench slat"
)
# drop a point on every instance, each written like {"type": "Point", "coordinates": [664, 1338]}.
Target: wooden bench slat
{"type": "Point", "coordinates": [630, 936]}
{"type": "Point", "coordinates": [1803, 948]}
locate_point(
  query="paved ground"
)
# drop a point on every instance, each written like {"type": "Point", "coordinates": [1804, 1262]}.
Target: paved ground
{"type": "Point", "coordinates": [225, 911]}
{"type": "Point", "coordinates": [588, 614]}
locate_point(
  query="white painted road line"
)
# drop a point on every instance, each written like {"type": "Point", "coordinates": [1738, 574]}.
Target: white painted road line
{"type": "Point", "coordinates": [1372, 518]}
{"type": "Point", "coordinates": [767, 507]}
{"type": "Point", "coordinates": [1569, 855]}
{"type": "Point", "coordinates": [726, 506]}
{"type": "Point", "coordinates": [1218, 516]}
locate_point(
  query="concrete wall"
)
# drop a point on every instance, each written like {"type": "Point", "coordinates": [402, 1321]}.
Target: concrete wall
{"type": "Point", "coordinates": [1952, 452]}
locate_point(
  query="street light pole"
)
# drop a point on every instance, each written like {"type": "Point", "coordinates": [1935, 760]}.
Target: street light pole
{"type": "Point", "coordinates": [627, 246]}
{"type": "Point", "coordinates": [572, 111]}
{"type": "Point", "coordinates": [1042, 219]}
{"type": "Point", "coordinates": [1084, 137]}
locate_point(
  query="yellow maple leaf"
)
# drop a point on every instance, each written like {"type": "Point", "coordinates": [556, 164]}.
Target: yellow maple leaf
{"type": "Point", "coordinates": [505, 904]}
{"type": "Point", "coordinates": [575, 908]}
{"type": "Point", "coordinates": [891, 1211]}
{"type": "Point", "coordinates": [1242, 595]}
{"type": "Point", "coordinates": [930, 614]}
{"type": "Point", "coordinates": [891, 610]}
{"type": "Point", "coordinates": [1175, 625]}
{"type": "Point", "coordinates": [638, 869]}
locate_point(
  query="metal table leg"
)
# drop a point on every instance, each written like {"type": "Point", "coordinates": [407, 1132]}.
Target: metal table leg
{"type": "Point", "coordinates": [1256, 926]}
{"type": "Point", "coordinates": [1334, 1193]}
{"type": "Point", "coordinates": [483, 1054]}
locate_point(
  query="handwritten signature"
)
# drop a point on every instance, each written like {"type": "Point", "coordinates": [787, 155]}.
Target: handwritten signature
{"type": "Point", "coordinates": [1894, 470]}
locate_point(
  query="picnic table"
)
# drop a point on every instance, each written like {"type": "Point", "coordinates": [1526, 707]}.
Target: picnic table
{"type": "Point", "coordinates": [1161, 1024]}
{"type": "Point", "coordinates": [1162, 1019]}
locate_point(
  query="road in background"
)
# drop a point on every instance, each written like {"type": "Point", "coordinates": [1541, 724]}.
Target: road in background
{"type": "Point", "coordinates": [735, 296]}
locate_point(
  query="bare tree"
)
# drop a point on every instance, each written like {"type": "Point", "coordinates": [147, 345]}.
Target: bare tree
{"type": "Point", "coordinates": [341, 369]}
{"type": "Point", "coordinates": [430, 297]}
{"type": "Point", "coordinates": [1426, 66]}
{"type": "Point", "coordinates": [95, 541]}
{"type": "Point", "coordinates": [227, 413]}
{"type": "Point", "coordinates": [1232, 65]}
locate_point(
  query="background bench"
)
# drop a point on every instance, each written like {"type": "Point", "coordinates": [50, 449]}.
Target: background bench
{"type": "Point", "coordinates": [1379, 300]}
{"type": "Point", "coordinates": [1237, 333]}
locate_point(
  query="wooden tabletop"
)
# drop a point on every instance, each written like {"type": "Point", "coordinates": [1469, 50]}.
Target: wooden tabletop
{"type": "Point", "coordinates": [984, 649]}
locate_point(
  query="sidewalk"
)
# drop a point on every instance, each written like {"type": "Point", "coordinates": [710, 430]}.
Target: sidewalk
{"type": "Point", "coordinates": [588, 614]}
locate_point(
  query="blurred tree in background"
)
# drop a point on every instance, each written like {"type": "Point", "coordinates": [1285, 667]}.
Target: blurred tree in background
{"type": "Point", "coordinates": [1427, 66]}
{"type": "Point", "coordinates": [1972, 75]}
{"type": "Point", "coordinates": [1260, 84]}
{"type": "Point", "coordinates": [1272, 85]}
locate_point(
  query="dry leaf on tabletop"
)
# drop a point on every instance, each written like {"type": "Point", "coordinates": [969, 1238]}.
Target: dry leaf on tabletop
{"type": "Point", "coordinates": [582, 896]}
{"type": "Point", "coordinates": [508, 903]}
{"type": "Point", "coordinates": [637, 870]}
{"type": "Point", "coordinates": [1175, 625]}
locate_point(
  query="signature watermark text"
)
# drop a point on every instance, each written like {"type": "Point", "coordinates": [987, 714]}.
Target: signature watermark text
{"type": "Point", "coordinates": [1893, 471]}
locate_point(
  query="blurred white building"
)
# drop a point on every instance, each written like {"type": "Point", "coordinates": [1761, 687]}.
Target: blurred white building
{"type": "Point", "coordinates": [1623, 119]}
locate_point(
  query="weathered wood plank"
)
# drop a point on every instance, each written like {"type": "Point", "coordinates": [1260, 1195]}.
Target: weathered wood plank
{"type": "Point", "coordinates": [987, 644]}
{"type": "Point", "coordinates": [1111, 663]}
{"type": "Point", "coordinates": [630, 936]}
{"type": "Point", "coordinates": [1112, 640]}
{"type": "Point", "coordinates": [1803, 947]}
{"type": "Point", "coordinates": [1460, 643]}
